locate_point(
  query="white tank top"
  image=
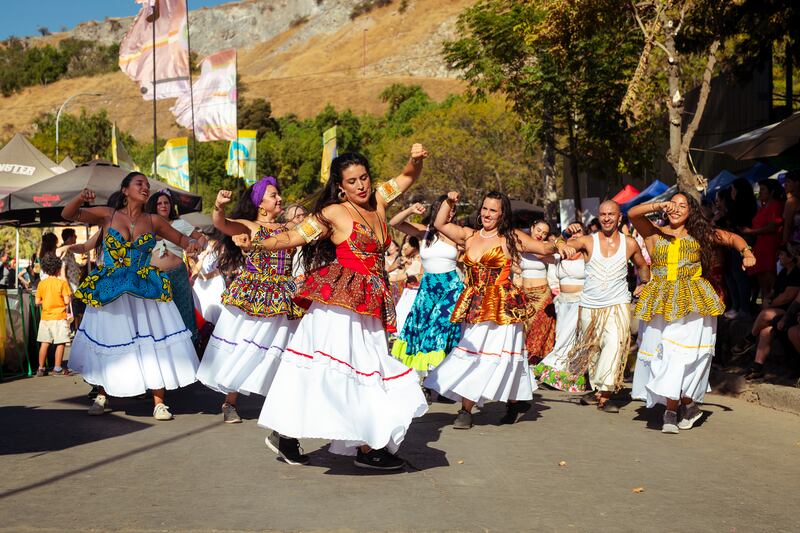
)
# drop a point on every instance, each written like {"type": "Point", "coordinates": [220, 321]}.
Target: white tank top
{"type": "Point", "coordinates": [533, 267]}
{"type": "Point", "coordinates": [439, 257]}
{"type": "Point", "coordinates": [606, 281]}
{"type": "Point", "coordinates": [571, 271]}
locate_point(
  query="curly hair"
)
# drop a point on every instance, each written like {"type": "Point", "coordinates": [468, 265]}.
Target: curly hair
{"type": "Point", "coordinates": [322, 251]}
{"type": "Point", "coordinates": [505, 227]}
{"type": "Point", "coordinates": [51, 265]}
{"type": "Point", "coordinates": [702, 230]}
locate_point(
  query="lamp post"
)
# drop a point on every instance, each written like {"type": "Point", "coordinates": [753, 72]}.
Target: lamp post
{"type": "Point", "coordinates": [60, 109]}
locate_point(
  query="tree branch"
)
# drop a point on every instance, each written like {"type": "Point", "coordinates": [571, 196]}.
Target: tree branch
{"type": "Point", "coordinates": [705, 89]}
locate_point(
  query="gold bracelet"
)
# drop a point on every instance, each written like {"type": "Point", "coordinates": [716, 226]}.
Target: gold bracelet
{"type": "Point", "coordinates": [746, 248]}
{"type": "Point", "coordinates": [560, 240]}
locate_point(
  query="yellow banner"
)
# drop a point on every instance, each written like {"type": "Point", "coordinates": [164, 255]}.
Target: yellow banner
{"type": "Point", "coordinates": [328, 153]}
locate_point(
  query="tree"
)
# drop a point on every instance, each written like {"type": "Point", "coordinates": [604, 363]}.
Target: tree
{"type": "Point", "coordinates": [82, 137]}
{"type": "Point", "coordinates": [559, 63]}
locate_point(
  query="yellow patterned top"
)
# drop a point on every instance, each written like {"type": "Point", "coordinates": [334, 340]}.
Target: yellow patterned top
{"type": "Point", "coordinates": [677, 286]}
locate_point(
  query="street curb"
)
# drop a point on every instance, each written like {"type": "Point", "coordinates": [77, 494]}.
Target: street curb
{"type": "Point", "coordinates": [779, 397]}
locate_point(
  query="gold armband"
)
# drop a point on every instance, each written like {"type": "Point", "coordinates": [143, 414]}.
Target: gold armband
{"type": "Point", "coordinates": [747, 248]}
{"type": "Point", "coordinates": [389, 190]}
{"type": "Point", "coordinates": [309, 229]}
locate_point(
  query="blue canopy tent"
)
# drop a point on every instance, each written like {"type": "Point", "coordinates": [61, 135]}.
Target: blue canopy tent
{"type": "Point", "coordinates": [722, 180]}
{"type": "Point", "coordinates": [666, 195]}
{"type": "Point", "coordinates": [650, 192]}
{"type": "Point", "coordinates": [758, 172]}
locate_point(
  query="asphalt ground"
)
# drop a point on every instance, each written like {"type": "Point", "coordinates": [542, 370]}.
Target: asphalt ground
{"type": "Point", "coordinates": [562, 467]}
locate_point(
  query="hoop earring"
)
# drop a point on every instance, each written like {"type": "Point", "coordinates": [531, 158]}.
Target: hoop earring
{"type": "Point", "coordinates": [263, 212]}
{"type": "Point", "coordinates": [342, 196]}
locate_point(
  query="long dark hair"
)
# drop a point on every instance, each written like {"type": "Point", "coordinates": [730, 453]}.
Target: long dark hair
{"type": "Point", "coordinates": [505, 227]}
{"type": "Point", "coordinates": [121, 201]}
{"type": "Point", "coordinates": [774, 188]}
{"type": "Point", "coordinates": [744, 205]}
{"type": "Point", "coordinates": [151, 206]}
{"type": "Point", "coordinates": [49, 245]}
{"type": "Point", "coordinates": [702, 230]}
{"type": "Point", "coordinates": [430, 232]}
{"type": "Point", "coordinates": [231, 258]}
{"type": "Point", "coordinates": [322, 251]}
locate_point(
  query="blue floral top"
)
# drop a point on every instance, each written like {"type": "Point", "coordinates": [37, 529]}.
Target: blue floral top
{"type": "Point", "coordinates": [126, 270]}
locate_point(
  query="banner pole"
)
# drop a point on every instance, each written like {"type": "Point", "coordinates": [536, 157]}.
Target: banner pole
{"type": "Point", "coordinates": [155, 119]}
{"type": "Point", "coordinates": [191, 94]}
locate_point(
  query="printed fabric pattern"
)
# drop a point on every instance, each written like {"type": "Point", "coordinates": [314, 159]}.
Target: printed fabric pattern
{"type": "Point", "coordinates": [264, 288]}
{"type": "Point", "coordinates": [677, 286]}
{"type": "Point", "coordinates": [489, 294]}
{"type": "Point", "coordinates": [126, 270]}
{"type": "Point", "coordinates": [356, 280]}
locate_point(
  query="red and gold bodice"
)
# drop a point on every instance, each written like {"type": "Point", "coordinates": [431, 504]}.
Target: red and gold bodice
{"type": "Point", "coordinates": [356, 280]}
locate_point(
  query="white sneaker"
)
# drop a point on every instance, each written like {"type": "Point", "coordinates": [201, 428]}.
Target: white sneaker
{"type": "Point", "coordinates": [161, 412]}
{"type": "Point", "coordinates": [99, 406]}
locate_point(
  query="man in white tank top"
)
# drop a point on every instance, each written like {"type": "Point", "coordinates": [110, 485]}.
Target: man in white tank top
{"type": "Point", "coordinates": [605, 317]}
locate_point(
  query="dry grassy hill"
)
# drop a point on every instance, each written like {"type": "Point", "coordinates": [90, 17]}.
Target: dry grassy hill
{"type": "Point", "coordinates": [316, 58]}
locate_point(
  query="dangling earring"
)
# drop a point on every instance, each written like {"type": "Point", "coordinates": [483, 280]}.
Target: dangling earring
{"type": "Point", "coordinates": [262, 211]}
{"type": "Point", "coordinates": [342, 196]}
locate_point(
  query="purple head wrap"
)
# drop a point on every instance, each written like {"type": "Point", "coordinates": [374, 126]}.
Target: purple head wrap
{"type": "Point", "coordinates": [260, 188]}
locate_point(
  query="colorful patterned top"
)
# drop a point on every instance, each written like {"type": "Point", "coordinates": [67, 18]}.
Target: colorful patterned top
{"type": "Point", "coordinates": [265, 286]}
{"type": "Point", "coordinates": [488, 292]}
{"type": "Point", "coordinates": [126, 270]}
{"type": "Point", "coordinates": [677, 286]}
{"type": "Point", "coordinates": [356, 280]}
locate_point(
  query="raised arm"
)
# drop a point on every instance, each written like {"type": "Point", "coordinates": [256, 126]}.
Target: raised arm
{"type": "Point", "coordinates": [638, 217]}
{"type": "Point", "coordinates": [225, 225]}
{"type": "Point", "coordinates": [642, 268]}
{"type": "Point", "coordinates": [454, 232]}
{"type": "Point", "coordinates": [400, 223]}
{"type": "Point", "coordinates": [84, 247]}
{"type": "Point", "coordinates": [309, 230]}
{"type": "Point", "coordinates": [393, 188]}
{"type": "Point", "coordinates": [734, 241]}
{"type": "Point", "coordinates": [166, 231]}
{"type": "Point", "coordinates": [90, 215]}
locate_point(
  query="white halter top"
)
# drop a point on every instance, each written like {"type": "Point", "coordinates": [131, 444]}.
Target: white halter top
{"type": "Point", "coordinates": [439, 257]}
{"type": "Point", "coordinates": [606, 281]}
{"type": "Point", "coordinates": [571, 271]}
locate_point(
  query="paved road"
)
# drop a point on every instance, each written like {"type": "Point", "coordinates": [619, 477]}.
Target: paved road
{"type": "Point", "coordinates": [61, 470]}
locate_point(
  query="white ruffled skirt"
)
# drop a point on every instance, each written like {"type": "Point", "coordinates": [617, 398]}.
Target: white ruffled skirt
{"type": "Point", "coordinates": [404, 305]}
{"type": "Point", "coordinates": [207, 295]}
{"type": "Point", "coordinates": [674, 359]}
{"type": "Point", "coordinates": [243, 351]}
{"type": "Point", "coordinates": [337, 381]}
{"type": "Point", "coordinates": [566, 307]}
{"type": "Point", "coordinates": [131, 345]}
{"type": "Point", "coordinates": [487, 365]}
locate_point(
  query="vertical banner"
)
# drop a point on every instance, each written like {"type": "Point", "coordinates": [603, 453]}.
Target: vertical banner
{"type": "Point", "coordinates": [328, 153]}
{"type": "Point", "coordinates": [171, 49]}
{"type": "Point", "coordinates": [173, 163]}
{"type": "Point", "coordinates": [242, 158]}
{"type": "Point", "coordinates": [119, 155]}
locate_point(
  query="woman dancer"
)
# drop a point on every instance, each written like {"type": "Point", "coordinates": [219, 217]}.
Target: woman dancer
{"type": "Point", "coordinates": [554, 369]}
{"type": "Point", "coordinates": [259, 316]}
{"type": "Point", "coordinates": [336, 379]}
{"type": "Point", "coordinates": [428, 335]}
{"type": "Point", "coordinates": [540, 326]}
{"type": "Point", "coordinates": [132, 337]}
{"type": "Point", "coordinates": [488, 363]}
{"type": "Point", "coordinates": [680, 306]}
{"type": "Point", "coordinates": [409, 278]}
{"type": "Point", "coordinates": [168, 257]}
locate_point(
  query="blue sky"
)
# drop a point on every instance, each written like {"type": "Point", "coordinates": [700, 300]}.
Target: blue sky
{"type": "Point", "coordinates": [23, 18]}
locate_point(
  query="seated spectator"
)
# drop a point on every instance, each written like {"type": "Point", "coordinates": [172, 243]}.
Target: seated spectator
{"type": "Point", "coordinates": [53, 295]}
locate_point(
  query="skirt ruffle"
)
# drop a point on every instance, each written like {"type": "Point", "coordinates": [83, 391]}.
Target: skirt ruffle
{"type": "Point", "coordinates": [404, 305]}
{"type": "Point", "coordinates": [487, 365]}
{"type": "Point", "coordinates": [207, 294]}
{"type": "Point", "coordinates": [131, 345]}
{"type": "Point", "coordinates": [337, 381]}
{"type": "Point", "coordinates": [243, 352]}
{"type": "Point", "coordinates": [677, 358]}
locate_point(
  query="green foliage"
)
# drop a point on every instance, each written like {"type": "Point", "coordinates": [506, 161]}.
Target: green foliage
{"type": "Point", "coordinates": [256, 115]}
{"type": "Point", "coordinates": [23, 65]}
{"type": "Point", "coordinates": [81, 137]}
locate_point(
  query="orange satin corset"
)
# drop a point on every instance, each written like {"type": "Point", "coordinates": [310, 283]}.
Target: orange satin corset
{"type": "Point", "coordinates": [488, 292]}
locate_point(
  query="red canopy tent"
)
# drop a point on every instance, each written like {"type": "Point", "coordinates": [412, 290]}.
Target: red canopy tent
{"type": "Point", "coordinates": [626, 194]}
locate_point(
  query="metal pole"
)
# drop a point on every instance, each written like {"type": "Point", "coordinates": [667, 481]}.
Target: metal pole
{"type": "Point", "coordinates": [16, 262]}
{"type": "Point", "coordinates": [60, 109]}
{"type": "Point", "coordinates": [191, 92]}
{"type": "Point", "coordinates": [155, 120]}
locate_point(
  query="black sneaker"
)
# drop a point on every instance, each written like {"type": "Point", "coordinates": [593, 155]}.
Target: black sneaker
{"type": "Point", "coordinates": [513, 410]}
{"type": "Point", "coordinates": [463, 420]}
{"type": "Point", "coordinates": [378, 460]}
{"type": "Point", "coordinates": [288, 448]}
{"type": "Point", "coordinates": [743, 346]}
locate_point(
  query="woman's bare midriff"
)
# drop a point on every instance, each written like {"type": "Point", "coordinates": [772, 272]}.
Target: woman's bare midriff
{"type": "Point", "coordinates": [529, 283]}
{"type": "Point", "coordinates": [571, 288]}
{"type": "Point", "coordinates": [167, 262]}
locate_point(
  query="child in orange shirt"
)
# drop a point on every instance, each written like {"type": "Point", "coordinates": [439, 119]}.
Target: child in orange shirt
{"type": "Point", "coordinates": [54, 295]}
